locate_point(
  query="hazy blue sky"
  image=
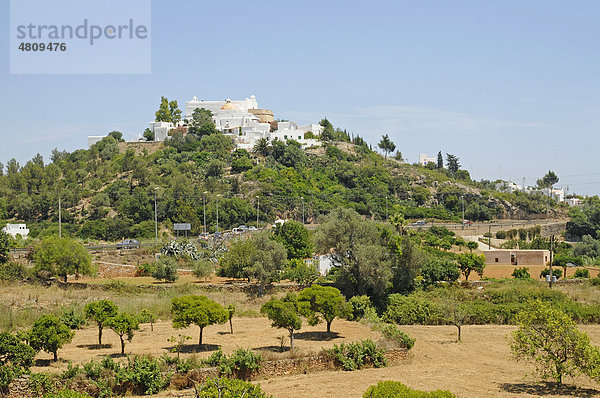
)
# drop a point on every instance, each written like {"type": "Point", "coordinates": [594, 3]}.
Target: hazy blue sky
{"type": "Point", "coordinates": [511, 87]}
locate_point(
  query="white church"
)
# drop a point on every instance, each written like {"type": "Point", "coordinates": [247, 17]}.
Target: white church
{"type": "Point", "coordinates": [245, 122]}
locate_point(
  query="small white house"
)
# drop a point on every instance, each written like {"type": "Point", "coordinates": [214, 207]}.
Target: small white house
{"type": "Point", "coordinates": [16, 229]}
{"type": "Point", "coordinates": [424, 159]}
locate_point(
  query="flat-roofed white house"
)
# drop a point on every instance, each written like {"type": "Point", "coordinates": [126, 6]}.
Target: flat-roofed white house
{"type": "Point", "coordinates": [16, 229]}
{"type": "Point", "coordinates": [246, 123]}
{"type": "Point", "coordinates": [516, 257]}
{"type": "Point", "coordinates": [424, 159]}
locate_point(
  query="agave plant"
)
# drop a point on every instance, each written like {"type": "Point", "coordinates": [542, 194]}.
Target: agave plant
{"type": "Point", "coordinates": [180, 249]}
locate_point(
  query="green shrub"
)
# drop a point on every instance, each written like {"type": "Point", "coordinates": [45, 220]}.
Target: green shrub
{"type": "Point", "coordinates": [145, 375]}
{"type": "Point", "coordinates": [228, 388]}
{"type": "Point", "coordinates": [582, 273]}
{"type": "Point", "coordinates": [240, 363]}
{"type": "Point", "coordinates": [501, 235]}
{"type": "Point", "coordinates": [395, 389]}
{"type": "Point", "coordinates": [71, 371]}
{"type": "Point", "coordinates": [73, 320]}
{"type": "Point", "coordinates": [165, 269]}
{"type": "Point", "coordinates": [145, 269]}
{"type": "Point", "coordinates": [409, 310]}
{"type": "Point", "coordinates": [438, 270]}
{"type": "Point", "coordinates": [13, 272]}
{"type": "Point", "coordinates": [6, 376]}
{"type": "Point", "coordinates": [356, 355]}
{"type": "Point", "coordinates": [41, 383]}
{"type": "Point", "coordinates": [402, 339]}
{"type": "Point", "coordinates": [361, 307]}
{"type": "Point", "coordinates": [215, 358]}
{"type": "Point", "coordinates": [521, 273]}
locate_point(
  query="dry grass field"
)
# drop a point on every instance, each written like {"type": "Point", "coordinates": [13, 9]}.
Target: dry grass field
{"type": "Point", "coordinates": [480, 366]}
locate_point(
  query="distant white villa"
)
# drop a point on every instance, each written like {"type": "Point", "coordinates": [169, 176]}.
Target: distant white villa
{"type": "Point", "coordinates": [245, 122]}
{"type": "Point", "coordinates": [558, 194]}
{"type": "Point", "coordinates": [424, 159]}
{"type": "Point", "coordinates": [16, 229]}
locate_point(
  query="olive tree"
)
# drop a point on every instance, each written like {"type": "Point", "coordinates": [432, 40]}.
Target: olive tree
{"type": "Point", "coordinates": [468, 262]}
{"type": "Point", "coordinates": [259, 257]}
{"type": "Point", "coordinates": [320, 303]}
{"type": "Point", "coordinates": [354, 245]}
{"type": "Point", "coordinates": [284, 315]}
{"type": "Point", "coordinates": [100, 311]}
{"type": "Point", "coordinates": [124, 324]}
{"type": "Point", "coordinates": [16, 357]}
{"type": "Point", "coordinates": [197, 310]}
{"type": "Point", "coordinates": [62, 257]}
{"type": "Point", "coordinates": [550, 338]}
{"type": "Point", "coordinates": [49, 334]}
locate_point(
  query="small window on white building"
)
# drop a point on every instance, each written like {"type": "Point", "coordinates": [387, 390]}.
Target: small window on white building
{"type": "Point", "coordinates": [496, 259]}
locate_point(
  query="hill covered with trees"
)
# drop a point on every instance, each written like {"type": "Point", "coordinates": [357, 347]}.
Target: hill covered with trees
{"type": "Point", "coordinates": [107, 192]}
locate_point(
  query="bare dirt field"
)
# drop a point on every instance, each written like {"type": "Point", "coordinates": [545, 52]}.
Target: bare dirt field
{"type": "Point", "coordinates": [255, 333]}
{"type": "Point", "coordinates": [479, 366]}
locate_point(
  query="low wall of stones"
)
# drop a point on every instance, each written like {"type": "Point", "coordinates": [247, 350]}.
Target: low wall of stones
{"type": "Point", "coordinates": [269, 369]}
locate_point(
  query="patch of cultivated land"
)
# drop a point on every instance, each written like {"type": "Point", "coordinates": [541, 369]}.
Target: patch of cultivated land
{"type": "Point", "coordinates": [255, 333]}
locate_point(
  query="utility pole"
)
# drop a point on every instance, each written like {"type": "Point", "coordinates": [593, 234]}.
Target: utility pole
{"type": "Point", "coordinates": [204, 210]}
{"type": "Point", "coordinates": [462, 199]}
{"type": "Point", "coordinates": [302, 197]}
{"type": "Point", "coordinates": [386, 208]}
{"type": "Point", "coordinates": [551, 258]}
{"type": "Point", "coordinates": [59, 218]}
{"type": "Point", "coordinates": [490, 237]}
{"type": "Point", "coordinates": [218, 212]}
{"type": "Point", "coordinates": [155, 217]}
{"type": "Point", "coordinates": [257, 210]}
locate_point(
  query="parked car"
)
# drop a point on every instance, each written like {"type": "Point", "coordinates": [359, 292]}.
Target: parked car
{"type": "Point", "coordinates": [129, 244]}
{"type": "Point", "coordinates": [237, 230]}
{"type": "Point", "coordinates": [467, 222]}
{"type": "Point", "coordinates": [243, 227]}
{"type": "Point", "coordinates": [204, 235]}
{"type": "Point", "coordinates": [217, 235]}
{"type": "Point", "coordinates": [252, 228]}
{"type": "Point", "coordinates": [419, 223]}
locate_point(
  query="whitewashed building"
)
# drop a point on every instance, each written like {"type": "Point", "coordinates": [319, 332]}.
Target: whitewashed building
{"type": "Point", "coordinates": [16, 229]}
{"type": "Point", "coordinates": [160, 130]}
{"type": "Point", "coordinates": [94, 139]}
{"type": "Point", "coordinates": [246, 123]}
{"type": "Point", "coordinates": [573, 201]}
{"type": "Point", "coordinates": [424, 159]}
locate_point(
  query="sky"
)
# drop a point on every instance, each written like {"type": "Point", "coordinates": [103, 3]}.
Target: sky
{"type": "Point", "coordinates": [510, 87]}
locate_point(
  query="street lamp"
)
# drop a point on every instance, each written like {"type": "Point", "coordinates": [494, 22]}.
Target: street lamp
{"type": "Point", "coordinates": [257, 210]}
{"type": "Point", "coordinates": [302, 197]}
{"type": "Point", "coordinates": [155, 217]}
{"type": "Point", "coordinates": [204, 209]}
